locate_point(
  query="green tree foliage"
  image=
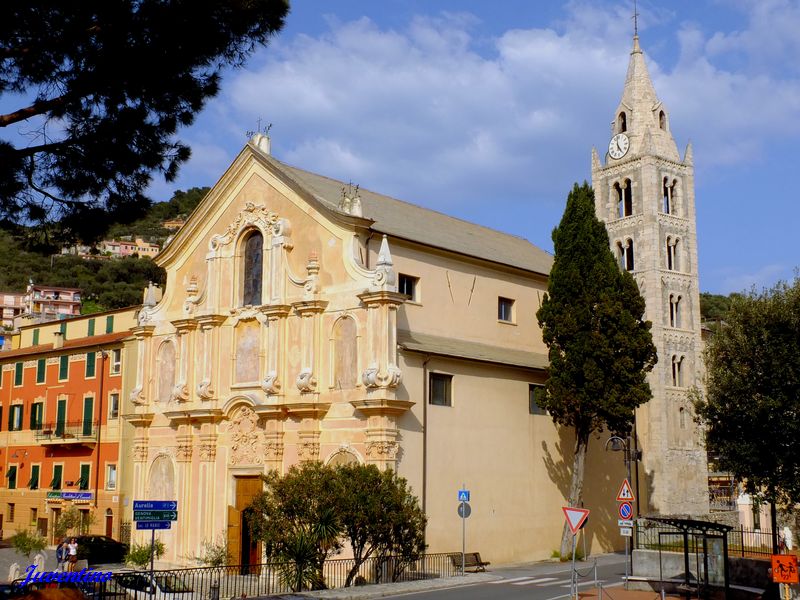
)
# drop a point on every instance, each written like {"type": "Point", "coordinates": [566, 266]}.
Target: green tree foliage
{"type": "Point", "coordinates": [27, 543]}
{"type": "Point", "coordinates": [600, 346]}
{"type": "Point", "coordinates": [304, 517]}
{"type": "Point", "coordinates": [714, 307]}
{"type": "Point", "coordinates": [103, 87]}
{"type": "Point", "coordinates": [139, 554]}
{"type": "Point", "coordinates": [73, 522]}
{"type": "Point", "coordinates": [149, 227]}
{"type": "Point", "coordinates": [106, 283]}
{"type": "Point", "coordinates": [752, 399]}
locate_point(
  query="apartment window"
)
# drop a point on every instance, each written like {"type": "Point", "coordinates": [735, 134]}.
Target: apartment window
{"type": "Point", "coordinates": [505, 310]}
{"type": "Point", "coordinates": [11, 475]}
{"type": "Point", "coordinates": [110, 324]}
{"type": "Point", "coordinates": [33, 482]}
{"type": "Point", "coordinates": [34, 516]}
{"type": "Point", "coordinates": [83, 481]}
{"type": "Point", "coordinates": [116, 361]}
{"type": "Point", "coordinates": [58, 471]}
{"type": "Point", "coordinates": [15, 417]}
{"type": "Point", "coordinates": [18, 373]}
{"type": "Point", "coordinates": [90, 360]}
{"type": "Point", "coordinates": [37, 415]}
{"type": "Point", "coordinates": [63, 367]}
{"type": "Point", "coordinates": [441, 386]}
{"type": "Point", "coordinates": [536, 394]}
{"type": "Point", "coordinates": [407, 285]}
{"type": "Point", "coordinates": [10, 513]}
{"type": "Point", "coordinates": [111, 477]}
{"type": "Point", "coordinates": [90, 331]}
{"type": "Point", "coordinates": [35, 337]}
{"type": "Point", "coordinates": [41, 366]}
{"type": "Point", "coordinates": [113, 406]}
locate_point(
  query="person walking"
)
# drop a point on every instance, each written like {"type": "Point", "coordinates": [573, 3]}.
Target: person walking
{"type": "Point", "coordinates": [72, 554]}
{"type": "Point", "coordinates": [61, 555]}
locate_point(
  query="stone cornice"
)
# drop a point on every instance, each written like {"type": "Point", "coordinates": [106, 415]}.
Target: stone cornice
{"type": "Point", "coordinates": [139, 419]}
{"type": "Point", "coordinates": [381, 406]}
{"type": "Point", "coordinates": [194, 415]}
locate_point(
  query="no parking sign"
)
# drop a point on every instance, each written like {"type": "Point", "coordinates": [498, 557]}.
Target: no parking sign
{"type": "Point", "coordinates": [625, 510]}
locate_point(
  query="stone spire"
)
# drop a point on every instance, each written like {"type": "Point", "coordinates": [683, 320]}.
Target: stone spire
{"type": "Point", "coordinates": [644, 112]}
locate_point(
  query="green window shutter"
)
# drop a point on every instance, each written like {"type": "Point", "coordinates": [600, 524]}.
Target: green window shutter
{"type": "Point", "coordinates": [88, 413]}
{"type": "Point", "coordinates": [63, 329]}
{"type": "Point", "coordinates": [33, 483]}
{"type": "Point", "coordinates": [10, 418]}
{"type": "Point", "coordinates": [90, 358]}
{"type": "Point", "coordinates": [12, 478]}
{"type": "Point", "coordinates": [83, 483]}
{"type": "Point", "coordinates": [35, 337]}
{"type": "Point", "coordinates": [36, 415]}
{"type": "Point", "coordinates": [61, 416]}
{"type": "Point", "coordinates": [18, 374]}
{"type": "Point", "coordinates": [91, 327]}
{"type": "Point", "coordinates": [56, 482]}
{"type": "Point", "coordinates": [63, 367]}
{"type": "Point", "coordinates": [110, 324]}
{"type": "Point", "coordinates": [41, 366]}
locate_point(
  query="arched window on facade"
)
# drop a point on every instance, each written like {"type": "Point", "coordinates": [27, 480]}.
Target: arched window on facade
{"type": "Point", "coordinates": [345, 354]}
{"type": "Point", "coordinates": [662, 120]}
{"type": "Point", "coordinates": [252, 268]}
{"type": "Point", "coordinates": [624, 197]}
{"type": "Point", "coordinates": [166, 371]}
{"type": "Point", "coordinates": [629, 263]}
{"type": "Point", "coordinates": [666, 206]}
{"type": "Point", "coordinates": [674, 310]}
{"type": "Point", "coordinates": [622, 123]}
{"type": "Point", "coordinates": [682, 417]}
{"type": "Point", "coordinates": [672, 254]}
{"type": "Point", "coordinates": [677, 375]}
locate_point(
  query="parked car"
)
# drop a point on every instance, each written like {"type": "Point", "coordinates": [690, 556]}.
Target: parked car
{"type": "Point", "coordinates": [108, 590]}
{"type": "Point", "coordinates": [101, 549]}
{"type": "Point", "coordinates": [162, 586]}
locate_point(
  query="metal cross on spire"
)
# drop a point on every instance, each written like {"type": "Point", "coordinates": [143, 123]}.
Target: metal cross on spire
{"type": "Point", "coordinates": [635, 20]}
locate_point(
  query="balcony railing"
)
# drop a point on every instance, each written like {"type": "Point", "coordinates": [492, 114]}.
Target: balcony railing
{"type": "Point", "coordinates": [66, 432]}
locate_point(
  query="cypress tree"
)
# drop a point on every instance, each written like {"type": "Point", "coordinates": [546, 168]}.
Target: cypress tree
{"type": "Point", "coordinates": [600, 346]}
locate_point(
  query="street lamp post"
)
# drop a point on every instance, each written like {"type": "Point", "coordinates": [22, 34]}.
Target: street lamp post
{"type": "Point", "coordinates": [617, 443]}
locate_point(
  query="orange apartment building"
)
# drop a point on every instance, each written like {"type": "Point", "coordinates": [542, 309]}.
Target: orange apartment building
{"type": "Point", "coordinates": [61, 396]}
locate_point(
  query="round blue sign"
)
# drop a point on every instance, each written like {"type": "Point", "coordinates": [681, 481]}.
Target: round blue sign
{"type": "Point", "coordinates": [625, 510]}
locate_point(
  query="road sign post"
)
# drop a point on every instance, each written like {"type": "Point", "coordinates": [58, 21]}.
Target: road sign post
{"type": "Point", "coordinates": [152, 515]}
{"type": "Point", "coordinates": [464, 510]}
{"type": "Point", "coordinates": [576, 517]}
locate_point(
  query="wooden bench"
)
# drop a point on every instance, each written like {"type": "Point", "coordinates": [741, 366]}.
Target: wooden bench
{"type": "Point", "coordinates": [472, 560]}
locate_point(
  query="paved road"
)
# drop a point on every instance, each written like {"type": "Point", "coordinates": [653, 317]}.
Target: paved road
{"type": "Point", "coordinates": [543, 581]}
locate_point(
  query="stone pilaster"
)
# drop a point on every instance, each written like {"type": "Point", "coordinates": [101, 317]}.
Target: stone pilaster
{"type": "Point", "coordinates": [209, 344]}
{"type": "Point", "coordinates": [139, 395]}
{"type": "Point", "coordinates": [185, 333]}
{"type": "Point", "coordinates": [275, 368]}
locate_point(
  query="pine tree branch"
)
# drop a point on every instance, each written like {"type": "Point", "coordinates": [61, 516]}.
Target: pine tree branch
{"type": "Point", "coordinates": [37, 108]}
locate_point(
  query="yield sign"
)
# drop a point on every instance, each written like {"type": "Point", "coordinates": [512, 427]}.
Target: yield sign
{"type": "Point", "coordinates": [625, 494]}
{"type": "Point", "coordinates": [575, 517]}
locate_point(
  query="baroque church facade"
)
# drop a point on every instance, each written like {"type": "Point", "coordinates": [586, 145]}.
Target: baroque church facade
{"type": "Point", "coordinates": [304, 319]}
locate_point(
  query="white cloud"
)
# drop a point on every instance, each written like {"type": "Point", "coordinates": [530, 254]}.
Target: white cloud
{"type": "Point", "coordinates": [764, 277]}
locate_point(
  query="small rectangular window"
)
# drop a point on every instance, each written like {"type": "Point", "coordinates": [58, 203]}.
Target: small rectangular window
{"type": "Point", "coordinates": [41, 370]}
{"type": "Point", "coordinates": [33, 482]}
{"type": "Point", "coordinates": [63, 367]}
{"type": "Point", "coordinates": [10, 515]}
{"type": "Point", "coordinates": [35, 337]}
{"type": "Point", "coordinates": [441, 389]}
{"type": "Point", "coordinates": [34, 516]}
{"type": "Point", "coordinates": [113, 406]}
{"type": "Point", "coordinates": [11, 475]}
{"type": "Point", "coordinates": [111, 477]}
{"type": "Point", "coordinates": [90, 360]}
{"type": "Point", "coordinates": [535, 395]}
{"type": "Point", "coordinates": [18, 374]}
{"type": "Point", "coordinates": [55, 483]}
{"type": "Point", "coordinates": [83, 481]}
{"type": "Point", "coordinates": [505, 309]}
{"type": "Point", "coordinates": [406, 284]}
{"type": "Point", "coordinates": [90, 332]}
{"type": "Point", "coordinates": [116, 361]}
{"type": "Point", "coordinates": [15, 418]}
{"type": "Point", "coordinates": [37, 415]}
{"type": "Point", "coordinates": [110, 324]}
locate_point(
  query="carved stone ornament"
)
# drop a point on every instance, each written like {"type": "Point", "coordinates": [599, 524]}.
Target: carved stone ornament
{"type": "Point", "coordinates": [306, 382]}
{"type": "Point", "coordinates": [252, 214]}
{"type": "Point", "coordinates": [208, 451]}
{"type": "Point", "coordinates": [384, 276]}
{"type": "Point", "coordinates": [184, 451]}
{"type": "Point", "coordinates": [145, 315]}
{"type": "Point", "coordinates": [273, 450]}
{"type": "Point", "coordinates": [374, 378]}
{"type": "Point", "coordinates": [140, 452]}
{"type": "Point", "coordinates": [311, 285]}
{"type": "Point", "coordinates": [204, 390]}
{"type": "Point", "coordinates": [137, 396]}
{"type": "Point", "coordinates": [308, 450]}
{"type": "Point", "coordinates": [270, 384]}
{"type": "Point", "coordinates": [193, 298]}
{"type": "Point", "coordinates": [382, 450]}
{"type": "Point", "coordinates": [180, 393]}
{"type": "Point", "coordinates": [246, 446]}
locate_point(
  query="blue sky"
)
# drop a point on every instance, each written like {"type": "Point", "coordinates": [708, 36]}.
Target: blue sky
{"type": "Point", "coordinates": [489, 110]}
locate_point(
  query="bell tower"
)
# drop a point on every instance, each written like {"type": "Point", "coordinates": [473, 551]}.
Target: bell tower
{"type": "Point", "coordinates": [645, 195]}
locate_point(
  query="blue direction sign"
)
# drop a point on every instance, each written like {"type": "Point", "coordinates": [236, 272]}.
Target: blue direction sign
{"type": "Point", "coordinates": [76, 495]}
{"type": "Point", "coordinates": [155, 505]}
{"type": "Point", "coordinates": [153, 525]}
{"type": "Point", "coordinates": [155, 515]}
{"type": "Point", "coordinates": [463, 495]}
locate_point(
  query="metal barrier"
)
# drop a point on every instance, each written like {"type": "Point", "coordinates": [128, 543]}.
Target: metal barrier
{"type": "Point", "coordinates": [236, 581]}
{"type": "Point", "coordinates": [741, 541]}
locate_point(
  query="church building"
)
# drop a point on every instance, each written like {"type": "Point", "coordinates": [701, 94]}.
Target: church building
{"type": "Point", "coordinates": [306, 319]}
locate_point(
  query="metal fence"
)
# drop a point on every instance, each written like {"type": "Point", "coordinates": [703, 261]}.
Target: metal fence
{"type": "Point", "coordinates": [741, 541]}
{"type": "Point", "coordinates": [237, 581]}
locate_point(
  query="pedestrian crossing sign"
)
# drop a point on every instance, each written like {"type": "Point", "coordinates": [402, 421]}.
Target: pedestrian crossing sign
{"type": "Point", "coordinates": [625, 493]}
{"type": "Point", "coordinates": [463, 495]}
